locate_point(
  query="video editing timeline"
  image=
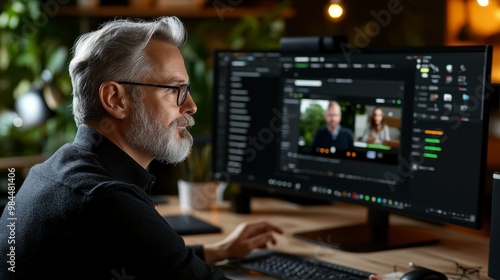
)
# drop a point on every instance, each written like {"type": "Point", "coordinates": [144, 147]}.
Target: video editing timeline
{"type": "Point", "coordinates": [433, 103]}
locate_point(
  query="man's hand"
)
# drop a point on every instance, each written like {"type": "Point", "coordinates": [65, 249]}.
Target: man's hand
{"type": "Point", "coordinates": [239, 243]}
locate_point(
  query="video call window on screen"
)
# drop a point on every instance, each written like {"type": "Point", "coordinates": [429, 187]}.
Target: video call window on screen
{"type": "Point", "coordinates": [330, 117]}
{"type": "Point", "coordinates": [371, 132]}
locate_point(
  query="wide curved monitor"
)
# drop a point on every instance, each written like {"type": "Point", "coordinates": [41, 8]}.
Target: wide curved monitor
{"type": "Point", "coordinates": [399, 130]}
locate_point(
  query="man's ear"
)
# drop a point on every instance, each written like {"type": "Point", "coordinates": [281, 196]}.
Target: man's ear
{"type": "Point", "coordinates": [114, 99]}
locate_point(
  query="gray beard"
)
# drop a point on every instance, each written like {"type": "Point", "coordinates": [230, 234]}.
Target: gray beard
{"type": "Point", "coordinates": [148, 134]}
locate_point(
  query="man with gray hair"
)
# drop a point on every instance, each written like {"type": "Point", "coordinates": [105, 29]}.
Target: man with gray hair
{"type": "Point", "coordinates": [86, 213]}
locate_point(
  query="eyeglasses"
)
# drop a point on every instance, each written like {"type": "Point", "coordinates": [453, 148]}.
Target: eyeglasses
{"type": "Point", "coordinates": [182, 90]}
{"type": "Point", "coordinates": [461, 272]}
{"type": "Point", "coordinates": [465, 272]}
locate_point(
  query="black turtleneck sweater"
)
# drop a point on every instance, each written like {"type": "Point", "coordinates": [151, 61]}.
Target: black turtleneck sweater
{"type": "Point", "coordinates": [85, 213]}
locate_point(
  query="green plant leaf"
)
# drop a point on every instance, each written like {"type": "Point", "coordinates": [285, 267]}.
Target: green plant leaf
{"type": "Point", "coordinates": [57, 60]}
{"type": "Point", "coordinates": [4, 57]}
{"type": "Point", "coordinates": [18, 7]}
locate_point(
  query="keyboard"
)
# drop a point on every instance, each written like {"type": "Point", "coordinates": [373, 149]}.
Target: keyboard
{"type": "Point", "coordinates": [287, 266]}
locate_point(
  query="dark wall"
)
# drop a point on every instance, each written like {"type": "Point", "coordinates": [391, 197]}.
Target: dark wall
{"type": "Point", "coordinates": [374, 23]}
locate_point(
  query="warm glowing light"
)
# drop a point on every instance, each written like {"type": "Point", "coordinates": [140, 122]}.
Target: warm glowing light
{"type": "Point", "coordinates": [32, 109]}
{"type": "Point", "coordinates": [483, 3]}
{"type": "Point", "coordinates": [18, 122]}
{"type": "Point", "coordinates": [335, 11]}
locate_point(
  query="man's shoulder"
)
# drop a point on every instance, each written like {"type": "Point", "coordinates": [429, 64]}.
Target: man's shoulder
{"type": "Point", "coordinates": [70, 167]}
{"type": "Point", "coordinates": [345, 130]}
{"type": "Point", "coordinates": [69, 156]}
{"type": "Point", "coordinates": [323, 130]}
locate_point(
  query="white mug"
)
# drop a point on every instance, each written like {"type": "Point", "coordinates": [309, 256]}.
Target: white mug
{"type": "Point", "coordinates": [199, 195]}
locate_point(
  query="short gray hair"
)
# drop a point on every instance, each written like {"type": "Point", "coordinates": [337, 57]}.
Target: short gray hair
{"type": "Point", "coordinates": [115, 52]}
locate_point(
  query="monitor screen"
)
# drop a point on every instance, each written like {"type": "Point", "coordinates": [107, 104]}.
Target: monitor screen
{"type": "Point", "coordinates": [399, 130]}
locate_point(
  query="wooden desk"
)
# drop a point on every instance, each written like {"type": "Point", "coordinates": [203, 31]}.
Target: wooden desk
{"type": "Point", "coordinates": [467, 248]}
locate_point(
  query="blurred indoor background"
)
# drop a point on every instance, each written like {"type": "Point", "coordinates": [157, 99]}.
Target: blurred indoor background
{"type": "Point", "coordinates": [36, 38]}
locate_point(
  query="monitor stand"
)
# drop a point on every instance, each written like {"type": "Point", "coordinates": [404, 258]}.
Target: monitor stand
{"type": "Point", "coordinates": [375, 235]}
{"type": "Point", "coordinates": [240, 202]}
